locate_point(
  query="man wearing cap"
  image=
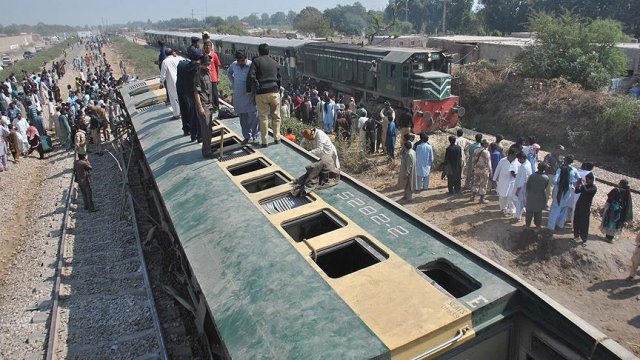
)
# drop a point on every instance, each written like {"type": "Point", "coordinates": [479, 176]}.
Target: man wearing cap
{"type": "Point", "coordinates": [194, 51]}
{"type": "Point", "coordinates": [243, 103]}
{"type": "Point", "coordinates": [264, 76]}
{"type": "Point", "coordinates": [203, 100]}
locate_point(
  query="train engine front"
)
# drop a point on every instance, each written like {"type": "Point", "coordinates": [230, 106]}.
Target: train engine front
{"type": "Point", "coordinates": [433, 106]}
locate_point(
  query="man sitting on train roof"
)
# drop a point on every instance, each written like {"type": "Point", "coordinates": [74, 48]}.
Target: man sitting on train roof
{"type": "Point", "coordinates": [322, 144]}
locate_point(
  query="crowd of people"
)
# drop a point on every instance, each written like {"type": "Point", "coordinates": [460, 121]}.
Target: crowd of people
{"type": "Point", "coordinates": [34, 109]}
{"type": "Point", "coordinates": [525, 184]}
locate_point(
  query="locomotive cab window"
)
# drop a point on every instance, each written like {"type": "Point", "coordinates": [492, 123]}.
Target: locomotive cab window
{"type": "Point", "coordinates": [418, 66]}
{"type": "Point", "coordinates": [405, 71]}
{"type": "Point", "coordinates": [392, 70]}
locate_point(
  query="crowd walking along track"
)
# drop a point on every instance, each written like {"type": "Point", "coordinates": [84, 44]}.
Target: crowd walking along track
{"type": "Point", "coordinates": [103, 304]}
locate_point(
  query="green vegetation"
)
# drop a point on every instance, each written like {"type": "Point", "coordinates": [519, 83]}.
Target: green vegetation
{"type": "Point", "coordinates": [581, 50]}
{"type": "Point", "coordinates": [616, 130]}
{"type": "Point", "coordinates": [40, 28]}
{"type": "Point", "coordinates": [35, 63]}
{"type": "Point", "coordinates": [311, 20]}
{"type": "Point", "coordinates": [139, 57]}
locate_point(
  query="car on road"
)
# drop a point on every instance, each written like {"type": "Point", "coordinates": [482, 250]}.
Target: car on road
{"type": "Point", "coordinates": [6, 60]}
{"type": "Point", "coordinates": [27, 54]}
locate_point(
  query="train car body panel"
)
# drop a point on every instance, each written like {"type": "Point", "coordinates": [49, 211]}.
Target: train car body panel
{"type": "Point", "coordinates": [343, 273]}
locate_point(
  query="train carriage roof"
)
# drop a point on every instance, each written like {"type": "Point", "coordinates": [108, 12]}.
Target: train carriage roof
{"type": "Point", "coordinates": [273, 42]}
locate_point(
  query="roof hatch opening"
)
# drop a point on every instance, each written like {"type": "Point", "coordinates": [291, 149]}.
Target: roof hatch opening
{"type": "Point", "coordinates": [313, 225]}
{"type": "Point", "coordinates": [349, 257]}
{"type": "Point", "coordinates": [265, 182]}
{"type": "Point", "coordinates": [450, 278]}
{"type": "Point", "coordinates": [228, 142]}
{"type": "Point", "coordinates": [249, 166]}
{"type": "Point", "coordinates": [283, 202]}
{"type": "Point", "coordinates": [216, 133]}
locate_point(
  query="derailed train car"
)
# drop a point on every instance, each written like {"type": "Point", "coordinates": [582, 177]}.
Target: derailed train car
{"type": "Point", "coordinates": [416, 80]}
{"type": "Point", "coordinates": [342, 273]}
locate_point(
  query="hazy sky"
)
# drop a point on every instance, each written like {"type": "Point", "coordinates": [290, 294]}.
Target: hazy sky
{"type": "Point", "coordinates": [95, 12]}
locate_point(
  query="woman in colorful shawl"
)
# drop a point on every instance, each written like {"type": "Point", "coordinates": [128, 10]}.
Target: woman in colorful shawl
{"type": "Point", "coordinates": [617, 210]}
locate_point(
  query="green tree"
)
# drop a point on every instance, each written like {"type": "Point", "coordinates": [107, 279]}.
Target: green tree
{"type": "Point", "coordinates": [378, 25]}
{"type": "Point", "coordinates": [581, 50]}
{"type": "Point", "coordinates": [311, 20]}
{"type": "Point", "coordinates": [264, 19]}
{"type": "Point", "coordinates": [506, 15]}
{"type": "Point", "coordinates": [279, 18]}
{"type": "Point", "coordinates": [347, 19]}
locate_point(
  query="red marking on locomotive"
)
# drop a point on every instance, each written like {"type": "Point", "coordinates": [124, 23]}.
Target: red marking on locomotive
{"type": "Point", "coordinates": [429, 115]}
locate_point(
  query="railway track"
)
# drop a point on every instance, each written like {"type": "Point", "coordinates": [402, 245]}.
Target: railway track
{"type": "Point", "coordinates": [102, 300]}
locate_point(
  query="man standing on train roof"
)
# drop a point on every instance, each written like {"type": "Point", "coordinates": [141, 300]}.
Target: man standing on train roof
{"type": "Point", "coordinates": [194, 48]}
{"type": "Point", "coordinates": [243, 103]}
{"type": "Point", "coordinates": [169, 76]}
{"type": "Point", "coordinates": [322, 144]}
{"type": "Point", "coordinates": [184, 87]}
{"type": "Point", "coordinates": [203, 100]}
{"type": "Point", "coordinates": [264, 76]}
{"type": "Point", "coordinates": [214, 69]}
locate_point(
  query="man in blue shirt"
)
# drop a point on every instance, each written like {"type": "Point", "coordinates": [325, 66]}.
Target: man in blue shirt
{"type": "Point", "coordinates": [243, 103]}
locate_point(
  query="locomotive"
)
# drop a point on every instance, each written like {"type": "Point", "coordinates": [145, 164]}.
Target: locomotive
{"type": "Point", "coordinates": [414, 80]}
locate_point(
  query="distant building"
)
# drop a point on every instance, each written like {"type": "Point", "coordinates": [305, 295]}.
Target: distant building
{"type": "Point", "coordinates": [17, 44]}
{"type": "Point", "coordinates": [84, 34]}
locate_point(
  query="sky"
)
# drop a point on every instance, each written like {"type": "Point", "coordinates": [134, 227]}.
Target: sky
{"type": "Point", "coordinates": [96, 12]}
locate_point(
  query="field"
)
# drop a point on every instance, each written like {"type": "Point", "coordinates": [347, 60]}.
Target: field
{"type": "Point", "coordinates": [35, 63]}
{"type": "Point", "coordinates": [138, 58]}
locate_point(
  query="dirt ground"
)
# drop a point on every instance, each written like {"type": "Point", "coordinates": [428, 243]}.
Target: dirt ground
{"type": "Point", "coordinates": [590, 281]}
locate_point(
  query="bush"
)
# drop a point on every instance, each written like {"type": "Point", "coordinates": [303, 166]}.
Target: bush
{"type": "Point", "coordinates": [580, 50]}
{"type": "Point", "coordinates": [616, 129]}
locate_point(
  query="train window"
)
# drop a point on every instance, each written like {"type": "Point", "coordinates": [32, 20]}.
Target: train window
{"type": "Point", "coordinates": [540, 350]}
{"type": "Point", "coordinates": [449, 277]}
{"type": "Point", "coordinates": [418, 66]}
{"type": "Point", "coordinates": [284, 202]}
{"type": "Point", "coordinates": [349, 257]}
{"type": "Point", "coordinates": [248, 166]}
{"type": "Point", "coordinates": [313, 225]}
{"type": "Point", "coordinates": [405, 71]}
{"type": "Point", "coordinates": [392, 71]}
{"type": "Point", "coordinates": [265, 182]}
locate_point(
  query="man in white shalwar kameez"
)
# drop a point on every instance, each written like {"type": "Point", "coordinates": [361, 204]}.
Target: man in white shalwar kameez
{"type": "Point", "coordinates": [169, 72]}
{"type": "Point", "coordinates": [505, 176]}
{"type": "Point", "coordinates": [520, 195]}
{"type": "Point", "coordinates": [321, 144]}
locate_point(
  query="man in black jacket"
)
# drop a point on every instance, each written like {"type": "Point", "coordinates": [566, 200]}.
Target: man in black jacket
{"type": "Point", "coordinates": [453, 166]}
{"type": "Point", "coordinates": [186, 73]}
{"type": "Point", "coordinates": [264, 75]}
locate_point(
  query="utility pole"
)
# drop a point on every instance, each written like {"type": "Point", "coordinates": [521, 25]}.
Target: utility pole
{"type": "Point", "coordinates": [406, 10]}
{"type": "Point", "coordinates": [444, 16]}
{"type": "Point", "coordinates": [192, 14]}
